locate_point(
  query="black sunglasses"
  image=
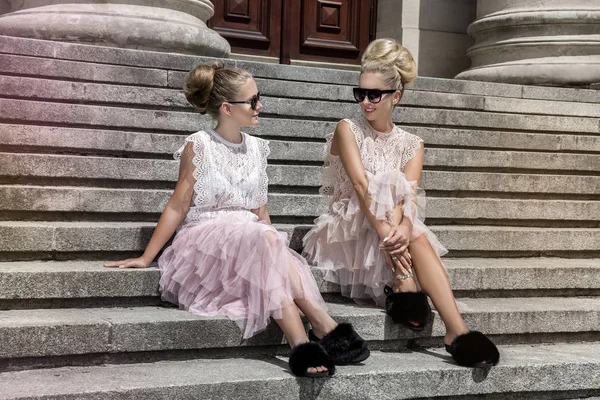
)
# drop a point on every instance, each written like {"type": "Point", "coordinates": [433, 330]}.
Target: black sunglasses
{"type": "Point", "coordinates": [253, 101]}
{"type": "Point", "coordinates": [374, 95]}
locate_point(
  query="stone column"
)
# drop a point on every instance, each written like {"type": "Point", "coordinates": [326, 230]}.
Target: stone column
{"type": "Point", "coordinates": [177, 26]}
{"type": "Point", "coordinates": [536, 42]}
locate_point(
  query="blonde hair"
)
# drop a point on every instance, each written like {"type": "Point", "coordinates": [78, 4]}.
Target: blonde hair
{"type": "Point", "coordinates": [392, 60]}
{"type": "Point", "coordinates": [209, 85]}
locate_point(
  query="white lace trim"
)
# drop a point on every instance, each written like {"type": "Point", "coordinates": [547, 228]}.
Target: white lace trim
{"type": "Point", "coordinates": [380, 152]}
{"type": "Point", "coordinates": [228, 176]}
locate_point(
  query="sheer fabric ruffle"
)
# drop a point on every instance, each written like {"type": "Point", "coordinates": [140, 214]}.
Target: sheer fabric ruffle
{"type": "Point", "coordinates": [344, 244]}
{"type": "Point", "coordinates": [237, 267]}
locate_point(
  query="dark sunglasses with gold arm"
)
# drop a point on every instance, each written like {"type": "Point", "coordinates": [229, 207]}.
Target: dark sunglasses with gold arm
{"type": "Point", "coordinates": [253, 101]}
{"type": "Point", "coordinates": [374, 95]}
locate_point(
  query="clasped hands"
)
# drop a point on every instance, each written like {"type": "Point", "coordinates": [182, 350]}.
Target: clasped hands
{"type": "Point", "coordinates": [395, 245]}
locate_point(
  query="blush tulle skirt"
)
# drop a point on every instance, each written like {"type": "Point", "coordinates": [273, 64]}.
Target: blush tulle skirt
{"type": "Point", "coordinates": [237, 267]}
{"type": "Point", "coordinates": [345, 246]}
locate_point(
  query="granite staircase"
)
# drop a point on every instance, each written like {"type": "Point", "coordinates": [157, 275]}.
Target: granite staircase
{"type": "Point", "coordinates": [86, 136]}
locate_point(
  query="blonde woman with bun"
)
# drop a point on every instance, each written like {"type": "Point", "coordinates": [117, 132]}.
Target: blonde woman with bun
{"type": "Point", "coordinates": [226, 259]}
{"type": "Point", "coordinates": [372, 241]}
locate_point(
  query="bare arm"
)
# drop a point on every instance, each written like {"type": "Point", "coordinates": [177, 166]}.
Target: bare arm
{"type": "Point", "coordinates": [263, 214]}
{"type": "Point", "coordinates": [344, 145]}
{"type": "Point", "coordinates": [400, 235]}
{"type": "Point", "coordinates": [412, 171]}
{"type": "Point", "coordinates": [174, 213]}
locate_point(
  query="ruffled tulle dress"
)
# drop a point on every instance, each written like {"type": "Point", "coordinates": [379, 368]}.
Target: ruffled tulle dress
{"type": "Point", "coordinates": [342, 242]}
{"type": "Point", "coordinates": [223, 261]}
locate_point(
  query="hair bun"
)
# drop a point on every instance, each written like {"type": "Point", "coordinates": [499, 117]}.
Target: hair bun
{"type": "Point", "coordinates": [389, 57]}
{"type": "Point", "coordinates": [209, 85]}
{"type": "Point", "coordinates": [199, 84]}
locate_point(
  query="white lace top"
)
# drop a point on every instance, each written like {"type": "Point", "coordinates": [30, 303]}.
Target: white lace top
{"type": "Point", "coordinates": [379, 152]}
{"type": "Point", "coordinates": [229, 177]}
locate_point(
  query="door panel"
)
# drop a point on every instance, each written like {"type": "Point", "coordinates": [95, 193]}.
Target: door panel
{"type": "Point", "coordinates": [250, 26]}
{"type": "Point", "coordinates": [331, 30]}
{"type": "Point", "coordinates": [311, 30]}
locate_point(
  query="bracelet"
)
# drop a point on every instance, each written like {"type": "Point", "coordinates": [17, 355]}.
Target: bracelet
{"type": "Point", "coordinates": [404, 277]}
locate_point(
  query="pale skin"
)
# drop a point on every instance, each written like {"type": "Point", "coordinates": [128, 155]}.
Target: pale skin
{"type": "Point", "coordinates": [402, 253]}
{"type": "Point", "coordinates": [229, 122]}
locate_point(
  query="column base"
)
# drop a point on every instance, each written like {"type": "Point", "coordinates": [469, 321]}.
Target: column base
{"type": "Point", "coordinates": [135, 26]}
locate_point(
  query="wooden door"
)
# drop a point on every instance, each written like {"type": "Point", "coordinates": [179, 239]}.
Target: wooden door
{"type": "Point", "coordinates": [335, 31]}
{"type": "Point", "coordinates": [331, 30]}
{"type": "Point", "coordinates": [250, 26]}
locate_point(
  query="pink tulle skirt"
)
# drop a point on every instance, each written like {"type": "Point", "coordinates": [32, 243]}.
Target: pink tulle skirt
{"type": "Point", "coordinates": [345, 245]}
{"type": "Point", "coordinates": [236, 267]}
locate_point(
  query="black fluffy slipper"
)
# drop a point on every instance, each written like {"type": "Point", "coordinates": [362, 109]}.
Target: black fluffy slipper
{"type": "Point", "coordinates": [474, 349]}
{"type": "Point", "coordinates": [307, 355]}
{"type": "Point", "coordinates": [343, 344]}
{"type": "Point", "coordinates": [407, 307]}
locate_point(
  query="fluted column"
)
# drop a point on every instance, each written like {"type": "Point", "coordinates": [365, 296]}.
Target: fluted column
{"type": "Point", "coordinates": [160, 25]}
{"type": "Point", "coordinates": [538, 42]}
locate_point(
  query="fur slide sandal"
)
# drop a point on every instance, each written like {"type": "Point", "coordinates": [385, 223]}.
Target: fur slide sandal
{"type": "Point", "coordinates": [407, 307]}
{"type": "Point", "coordinates": [474, 349]}
{"type": "Point", "coordinates": [343, 344]}
{"type": "Point", "coordinates": [307, 355]}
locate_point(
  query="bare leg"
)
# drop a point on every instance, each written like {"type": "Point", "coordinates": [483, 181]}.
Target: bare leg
{"type": "Point", "coordinates": [320, 320]}
{"type": "Point", "coordinates": [293, 329]}
{"type": "Point", "coordinates": [435, 283]}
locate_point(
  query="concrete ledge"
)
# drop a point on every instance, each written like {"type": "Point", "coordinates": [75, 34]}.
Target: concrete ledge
{"type": "Point", "coordinates": [524, 370]}
{"type": "Point", "coordinates": [102, 93]}
{"type": "Point", "coordinates": [90, 279]}
{"type": "Point", "coordinates": [147, 59]}
{"type": "Point", "coordinates": [83, 140]}
{"type": "Point", "coordinates": [107, 117]}
{"type": "Point", "coordinates": [95, 140]}
{"type": "Point", "coordinates": [505, 140]}
{"type": "Point", "coordinates": [74, 280]}
{"type": "Point", "coordinates": [162, 328]}
{"type": "Point", "coordinates": [25, 237]}
{"type": "Point", "coordinates": [133, 236]}
{"type": "Point", "coordinates": [508, 274]}
{"type": "Point", "coordinates": [52, 68]}
{"type": "Point", "coordinates": [107, 201]}
{"type": "Point", "coordinates": [38, 333]}
{"type": "Point", "coordinates": [153, 170]}
{"type": "Point", "coordinates": [493, 238]}
{"type": "Point", "coordinates": [13, 110]}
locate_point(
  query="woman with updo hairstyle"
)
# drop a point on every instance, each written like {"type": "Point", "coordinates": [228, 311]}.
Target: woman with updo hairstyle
{"type": "Point", "coordinates": [226, 258]}
{"type": "Point", "coordinates": [372, 241]}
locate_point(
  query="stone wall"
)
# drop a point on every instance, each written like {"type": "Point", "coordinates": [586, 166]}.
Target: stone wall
{"type": "Point", "coordinates": [435, 31]}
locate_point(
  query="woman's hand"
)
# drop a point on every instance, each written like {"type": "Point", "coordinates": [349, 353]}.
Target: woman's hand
{"type": "Point", "coordinates": [400, 264]}
{"type": "Point", "coordinates": [396, 241]}
{"type": "Point", "coordinates": [139, 262]}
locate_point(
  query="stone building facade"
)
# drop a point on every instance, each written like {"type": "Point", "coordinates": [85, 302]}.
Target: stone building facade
{"type": "Point", "coordinates": [540, 42]}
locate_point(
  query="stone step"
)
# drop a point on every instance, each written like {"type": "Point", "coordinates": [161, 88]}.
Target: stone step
{"type": "Point", "coordinates": [23, 54]}
{"type": "Point", "coordinates": [78, 115]}
{"type": "Point", "coordinates": [107, 201]}
{"type": "Point", "coordinates": [64, 332]}
{"type": "Point", "coordinates": [538, 371]}
{"type": "Point", "coordinates": [290, 175]}
{"type": "Point", "coordinates": [50, 280]}
{"type": "Point", "coordinates": [48, 238]}
{"type": "Point", "coordinates": [285, 150]}
{"type": "Point", "coordinates": [104, 93]}
{"type": "Point", "coordinates": [100, 140]}
{"type": "Point", "coordinates": [52, 68]}
{"type": "Point", "coordinates": [65, 167]}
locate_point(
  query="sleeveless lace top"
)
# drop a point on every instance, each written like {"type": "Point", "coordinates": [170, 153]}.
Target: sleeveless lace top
{"type": "Point", "coordinates": [379, 152]}
{"type": "Point", "coordinates": [229, 177]}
